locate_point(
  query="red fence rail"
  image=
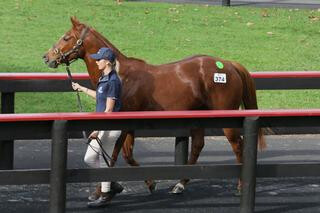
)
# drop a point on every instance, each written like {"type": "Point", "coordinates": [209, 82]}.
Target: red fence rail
{"type": "Point", "coordinates": [159, 115]}
{"type": "Point", "coordinates": [85, 76]}
{"type": "Point", "coordinates": [60, 124]}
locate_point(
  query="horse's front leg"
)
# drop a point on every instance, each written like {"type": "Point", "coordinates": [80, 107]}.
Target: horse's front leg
{"type": "Point", "coordinates": [127, 153]}
{"type": "Point", "coordinates": [197, 144]}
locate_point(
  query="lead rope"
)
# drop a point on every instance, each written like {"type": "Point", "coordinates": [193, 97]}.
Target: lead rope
{"type": "Point", "coordinates": [104, 153]}
{"type": "Point", "coordinates": [78, 97]}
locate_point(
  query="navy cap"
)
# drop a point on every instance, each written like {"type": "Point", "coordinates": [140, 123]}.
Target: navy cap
{"type": "Point", "coordinates": [104, 53]}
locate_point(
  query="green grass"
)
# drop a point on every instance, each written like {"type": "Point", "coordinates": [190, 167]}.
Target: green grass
{"type": "Point", "coordinates": [161, 33]}
{"type": "Point", "coordinates": [304, 99]}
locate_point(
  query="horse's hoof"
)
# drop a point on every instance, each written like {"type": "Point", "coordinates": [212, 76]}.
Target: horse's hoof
{"type": "Point", "coordinates": [152, 187]}
{"type": "Point", "coordinates": [177, 189]}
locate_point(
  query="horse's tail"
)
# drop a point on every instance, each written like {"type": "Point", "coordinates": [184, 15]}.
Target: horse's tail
{"type": "Point", "coordinates": [249, 97]}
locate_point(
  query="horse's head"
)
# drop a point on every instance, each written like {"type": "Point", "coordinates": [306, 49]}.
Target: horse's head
{"type": "Point", "coordinates": [69, 47]}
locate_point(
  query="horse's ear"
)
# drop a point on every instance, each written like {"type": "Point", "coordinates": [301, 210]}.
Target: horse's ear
{"type": "Point", "coordinates": [75, 22]}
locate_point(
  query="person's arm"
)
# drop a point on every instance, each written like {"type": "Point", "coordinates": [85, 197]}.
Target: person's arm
{"type": "Point", "coordinates": [112, 95]}
{"type": "Point", "coordinates": [110, 104]}
{"type": "Point", "coordinates": [83, 89]}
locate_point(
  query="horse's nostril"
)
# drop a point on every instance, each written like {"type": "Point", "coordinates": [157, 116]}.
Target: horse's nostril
{"type": "Point", "coordinates": [52, 64]}
{"type": "Point", "coordinates": [45, 58]}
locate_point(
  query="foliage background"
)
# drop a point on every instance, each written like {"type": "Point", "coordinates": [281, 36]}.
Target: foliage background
{"type": "Point", "coordinates": [261, 39]}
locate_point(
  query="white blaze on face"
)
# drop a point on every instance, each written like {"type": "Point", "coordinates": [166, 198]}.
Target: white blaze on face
{"type": "Point", "coordinates": [53, 48]}
{"type": "Point", "coordinates": [61, 38]}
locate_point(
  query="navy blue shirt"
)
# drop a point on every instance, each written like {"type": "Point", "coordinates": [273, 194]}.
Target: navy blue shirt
{"type": "Point", "coordinates": [109, 86]}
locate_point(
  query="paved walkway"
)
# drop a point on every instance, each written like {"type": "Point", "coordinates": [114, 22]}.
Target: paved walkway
{"type": "Point", "coordinates": [279, 195]}
{"type": "Point", "coordinates": [312, 4]}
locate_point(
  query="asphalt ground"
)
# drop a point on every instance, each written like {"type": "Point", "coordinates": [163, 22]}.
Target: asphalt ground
{"type": "Point", "coordinates": [310, 4]}
{"type": "Point", "coordinates": [214, 195]}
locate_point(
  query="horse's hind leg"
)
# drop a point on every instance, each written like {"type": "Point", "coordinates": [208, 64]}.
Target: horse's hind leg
{"type": "Point", "coordinates": [127, 149]}
{"type": "Point", "coordinates": [197, 143]}
{"type": "Point", "coordinates": [127, 153]}
{"type": "Point", "coordinates": [117, 147]}
{"type": "Point", "coordinates": [236, 142]}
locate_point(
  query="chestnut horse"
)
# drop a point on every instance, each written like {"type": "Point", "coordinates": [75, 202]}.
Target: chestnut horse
{"type": "Point", "coordinates": [197, 82]}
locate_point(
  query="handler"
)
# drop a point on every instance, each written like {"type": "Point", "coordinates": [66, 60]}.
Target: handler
{"type": "Point", "coordinates": [108, 100]}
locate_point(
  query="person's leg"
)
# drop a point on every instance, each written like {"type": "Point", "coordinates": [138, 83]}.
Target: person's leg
{"type": "Point", "coordinates": [109, 139]}
{"type": "Point", "coordinates": [91, 158]}
{"type": "Point", "coordinates": [108, 189]}
{"type": "Point", "coordinates": [104, 137]}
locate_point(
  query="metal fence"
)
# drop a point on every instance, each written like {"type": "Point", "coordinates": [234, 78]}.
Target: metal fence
{"type": "Point", "coordinates": [10, 83]}
{"type": "Point", "coordinates": [58, 125]}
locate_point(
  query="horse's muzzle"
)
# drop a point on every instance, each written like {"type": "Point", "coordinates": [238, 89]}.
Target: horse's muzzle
{"type": "Point", "coordinates": [52, 63]}
{"type": "Point", "coordinates": [45, 58]}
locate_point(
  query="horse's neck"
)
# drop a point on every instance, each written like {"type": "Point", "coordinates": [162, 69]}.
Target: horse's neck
{"type": "Point", "coordinates": [93, 71]}
{"type": "Point", "coordinates": [105, 42]}
{"type": "Point", "coordinates": [96, 42]}
{"type": "Point", "coordinates": [124, 64]}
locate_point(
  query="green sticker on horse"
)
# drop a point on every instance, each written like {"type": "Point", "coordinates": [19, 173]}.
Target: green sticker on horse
{"type": "Point", "coordinates": [219, 64]}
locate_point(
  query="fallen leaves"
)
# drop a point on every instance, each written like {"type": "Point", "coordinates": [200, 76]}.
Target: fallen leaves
{"type": "Point", "coordinates": [313, 18]}
{"type": "Point", "coordinates": [264, 13]}
{"type": "Point", "coordinates": [173, 10]}
{"type": "Point", "coordinates": [250, 24]}
{"type": "Point", "coordinates": [146, 11]}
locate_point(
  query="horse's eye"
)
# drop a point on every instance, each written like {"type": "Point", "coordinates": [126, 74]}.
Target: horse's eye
{"type": "Point", "coordinates": [66, 38]}
{"type": "Point", "coordinates": [56, 51]}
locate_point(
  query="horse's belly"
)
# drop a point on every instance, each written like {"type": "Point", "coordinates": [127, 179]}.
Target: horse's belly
{"type": "Point", "coordinates": [177, 101]}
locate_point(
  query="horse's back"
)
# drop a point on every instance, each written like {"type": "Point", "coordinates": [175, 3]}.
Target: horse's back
{"type": "Point", "coordinates": [223, 84]}
{"type": "Point", "coordinates": [190, 84]}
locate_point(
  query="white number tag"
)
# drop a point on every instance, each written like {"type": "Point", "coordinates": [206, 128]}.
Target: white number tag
{"type": "Point", "coordinates": [220, 78]}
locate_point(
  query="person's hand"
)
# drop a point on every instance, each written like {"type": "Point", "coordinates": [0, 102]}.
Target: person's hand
{"type": "Point", "coordinates": [94, 135]}
{"type": "Point", "coordinates": [76, 86]}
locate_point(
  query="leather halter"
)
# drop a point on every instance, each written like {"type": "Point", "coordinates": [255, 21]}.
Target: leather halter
{"type": "Point", "coordinates": [63, 57]}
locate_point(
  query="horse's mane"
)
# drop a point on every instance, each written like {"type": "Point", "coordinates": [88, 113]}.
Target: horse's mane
{"type": "Point", "coordinates": [185, 59]}
{"type": "Point", "coordinates": [109, 44]}
{"type": "Point", "coordinates": [104, 40]}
